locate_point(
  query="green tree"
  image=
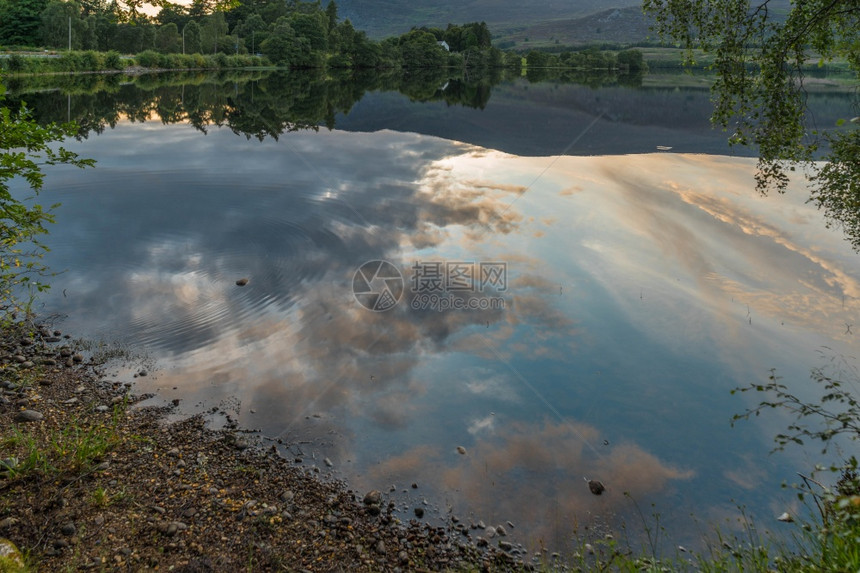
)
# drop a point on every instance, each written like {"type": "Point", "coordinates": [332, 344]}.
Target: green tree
{"type": "Point", "coordinates": [314, 27]}
{"type": "Point", "coordinates": [213, 28]}
{"type": "Point", "coordinates": [331, 15]}
{"type": "Point", "coordinates": [420, 49]}
{"type": "Point", "coordinates": [191, 38]}
{"type": "Point", "coordinates": [167, 39]}
{"type": "Point", "coordinates": [55, 25]}
{"type": "Point", "coordinates": [24, 147]}
{"type": "Point", "coordinates": [282, 44]}
{"type": "Point", "coordinates": [759, 94]}
{"type": "Point", "coordinates": [173, 13]}
{"type": "Point", "coordinates": [20, 22]}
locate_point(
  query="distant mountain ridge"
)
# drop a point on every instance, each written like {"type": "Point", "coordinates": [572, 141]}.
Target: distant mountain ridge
{"type": "Point", "coordinates": [380, 18]}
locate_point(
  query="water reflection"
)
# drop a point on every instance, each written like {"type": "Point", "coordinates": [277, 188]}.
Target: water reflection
{"type": "Point", "coordinates": [641, 289]}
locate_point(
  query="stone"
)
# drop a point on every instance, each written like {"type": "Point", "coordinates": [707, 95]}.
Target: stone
{"type": "Point", "coordinates": [28, 416]}
{"type": "Point", "coordinates": [373, 497]}
{"type": "Point", "coordinates": [68, 529]}
{"type": "Point", "coordinates": [596, 487]}
{"type": "Point", "coordinates": [10, 555]}
{"type": "Point", "coordinates": [419, 512]}
{"type": "Point", "coordinates": [242, 282]}
{"type": "Point", "coordinates": [785, 517]}
{"type": "Point", "coordinates": [380, 547]}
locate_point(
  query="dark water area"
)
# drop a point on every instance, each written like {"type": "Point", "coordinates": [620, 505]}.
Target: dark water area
{"type": "Point", "coordinates": [553, 294]}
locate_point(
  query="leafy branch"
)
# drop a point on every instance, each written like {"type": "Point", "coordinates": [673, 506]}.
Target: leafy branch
{"type": "Point", "coordinates": [25, 147]}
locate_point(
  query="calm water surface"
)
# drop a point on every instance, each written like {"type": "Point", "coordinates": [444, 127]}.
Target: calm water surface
{"type": "Point", "coordinates": [640, 289]}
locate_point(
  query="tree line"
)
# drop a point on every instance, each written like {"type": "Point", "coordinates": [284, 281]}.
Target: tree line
{"type": "Point", "coordinates": [289, 33]}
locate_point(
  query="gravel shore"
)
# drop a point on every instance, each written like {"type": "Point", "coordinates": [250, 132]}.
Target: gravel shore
{"type": "Point", "coordinates": [90, 479]}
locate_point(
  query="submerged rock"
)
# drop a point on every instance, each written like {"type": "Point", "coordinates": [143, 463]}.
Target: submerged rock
{"type": "Point", "coordinates": [596, 487]}
{"type": "Point", "coordinates": [242, 282]}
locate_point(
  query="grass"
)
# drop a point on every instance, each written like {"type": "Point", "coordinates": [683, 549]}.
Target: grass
{"type": "Point", "coordinates": [52, 452]}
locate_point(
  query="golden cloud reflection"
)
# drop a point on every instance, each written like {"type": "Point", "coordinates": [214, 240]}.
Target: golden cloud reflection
{"type": "Point", "coordinates": [532, 473]}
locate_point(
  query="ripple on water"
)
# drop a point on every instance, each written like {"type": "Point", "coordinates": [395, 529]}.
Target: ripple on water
{"type": "Point", "coordinates": [194, 301]}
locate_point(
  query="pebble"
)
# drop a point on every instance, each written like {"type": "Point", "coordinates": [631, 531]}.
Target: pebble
{"type": "Point", "coordinates": [68, 529]}
{"type": "Point", "coordinates": [403, 557]}
{"type": "Point", "coordinates": [7, 522]}
{"type": "Point", "coordinates": [596, 487]}
{"type": "Point", "coordinates": [419, 512]}
{"type": "Point", "coordinates": [102, 408]}
{"type": "Point", "coordinates": [28, 416]}
{"type": "Point", "coordinates": [505, 545]}
{"type": "Point", "coordinates": [380, 547]}
{"type": "Point", "coordinates": [501, 531]}
{"type": "Point", "coordinates": [328, 462]}
{"type": "Point", "coordinates": [242, 282]}
{"type": "Point", "coordinates": [461, 450]}
{"type": "Point", "coordinates": [373, 497]}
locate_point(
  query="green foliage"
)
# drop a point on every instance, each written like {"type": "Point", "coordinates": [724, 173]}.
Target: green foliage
{"type": "Point", "coordinates": [420, 49]}
{"type": "Point", "coordinates": [167, 39]}
{"type": "Point", "coordinates": [55, 25]}
{"type": "Point", "coordinates": [759, 95]}
{"type": "Point", "coordinates": [113, 61]}
{"type": "Point", "coordinates": [191, 37]}
{"type": "Point", "coordinates": [25, 147]}
{"type": "Point", "coordinates": [20, 21]}
{"type": "Point", "coordinates": [148, 59]}
{"type": "Point", "coordinates": [831, 541]}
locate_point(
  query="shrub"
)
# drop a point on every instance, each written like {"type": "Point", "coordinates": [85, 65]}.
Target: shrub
{"type": "Point", "coordinates": [148, 59]}
{"type": "Point", "coordinates": [113, 61]}
{"type": "Point", "coordinates": [16, 63]}
{"type": "Point", "coordinates": [90, 61]}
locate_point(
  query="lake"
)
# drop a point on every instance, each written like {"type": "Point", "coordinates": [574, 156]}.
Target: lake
{"type": "Point", "coordinates": [494, 292]}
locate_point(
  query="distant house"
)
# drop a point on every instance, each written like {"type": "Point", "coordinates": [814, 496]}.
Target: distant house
{"type": "Point", "coordinates": [445, 45]}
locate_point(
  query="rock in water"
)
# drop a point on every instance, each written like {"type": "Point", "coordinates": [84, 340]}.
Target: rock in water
{"type": "Point", "coordinates": [242, 282]}
{"type": "Point", "coordinates": [373, 497]}
{"type": "Point", "coordinates": [461, 450]}
{"type": "Point", "coordinates": [596, 487]}
{"type": "Point", "coordinates": [785, 517]}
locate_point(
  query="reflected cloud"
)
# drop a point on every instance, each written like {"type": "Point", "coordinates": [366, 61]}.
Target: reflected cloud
{"type": "Point", "coordinates": [633, 283]}
{"type": "Point", "coordinates": [532, 474]}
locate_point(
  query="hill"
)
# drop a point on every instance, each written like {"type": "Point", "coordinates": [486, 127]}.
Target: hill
{"type": "Point", "coordinates": [382, 18]}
